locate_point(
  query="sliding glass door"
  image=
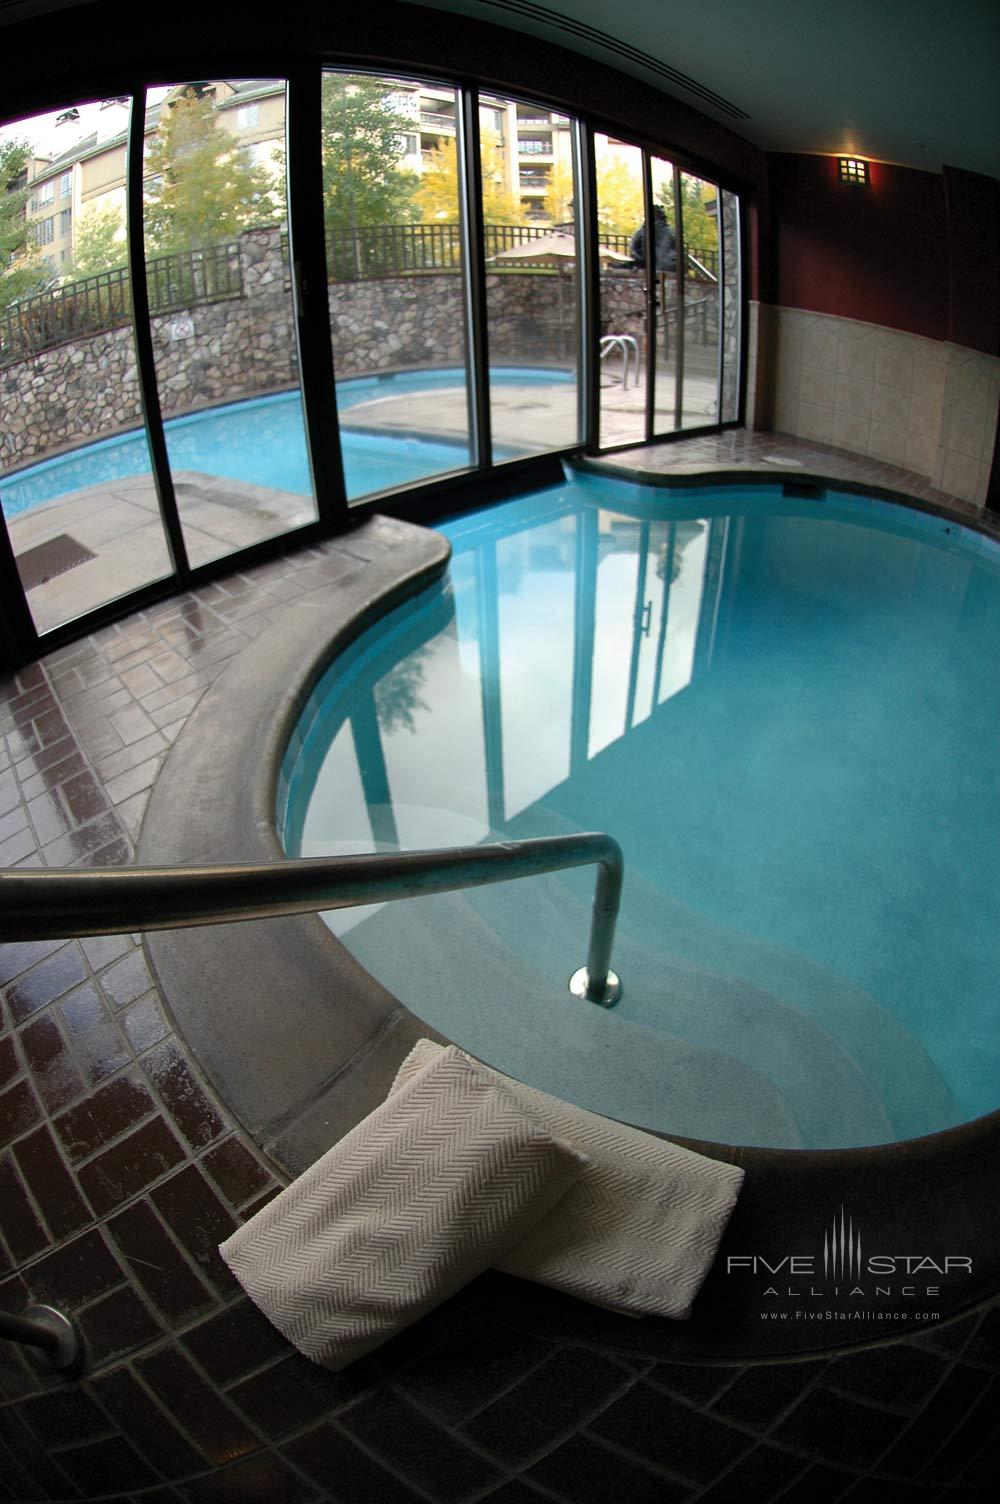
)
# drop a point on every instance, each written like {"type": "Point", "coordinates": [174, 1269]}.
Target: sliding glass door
{"type": "Point", "coordinates": [669, 341]}
{"type": "Point", "coordinates": [76, 484]}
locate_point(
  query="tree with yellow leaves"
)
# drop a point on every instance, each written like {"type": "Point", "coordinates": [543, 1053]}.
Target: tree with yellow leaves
{"type": "Point", "coordinates": [437, 194]}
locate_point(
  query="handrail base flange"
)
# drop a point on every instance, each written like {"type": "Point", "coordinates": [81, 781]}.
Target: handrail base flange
{"type": "Point", "coordinates": [579, 985]}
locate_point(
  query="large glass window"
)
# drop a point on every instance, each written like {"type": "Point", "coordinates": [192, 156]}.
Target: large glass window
{"type": "Point", "coordinates": [700, 300]}
{"type": "Point", "coordinates": [532, 247]}
{"type": "Point", "coordinates": [75, 478]}
{"type": "Point", "coordinates": [76, 474]}
{"type": "Point", "coordinates": [223, 324]}
{"type": "Point", "coordinates": [623, 336]}
{"type": "Point", "coordinates": [395, 261]}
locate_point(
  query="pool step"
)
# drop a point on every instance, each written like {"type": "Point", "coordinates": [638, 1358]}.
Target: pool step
{"type": "Point", "coordinates": [451, 967]}
{"type": "Point", "coordinates": [703, 962]}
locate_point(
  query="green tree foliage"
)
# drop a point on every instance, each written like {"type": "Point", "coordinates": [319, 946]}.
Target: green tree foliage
{"type": "Point", "coordinates": [701, 231]}
{"type": "Point", "coordinates": [22, 270]}
{"type": "Point", "coordinates": [99, 243]}
{"type": "Point", "coordinates": [201, 187]}
{"type": "Point", "coordinates": [363, 183]}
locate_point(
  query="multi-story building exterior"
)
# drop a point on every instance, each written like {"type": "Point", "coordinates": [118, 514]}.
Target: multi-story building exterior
{"type": "Point", "coordinates": [532, 145]}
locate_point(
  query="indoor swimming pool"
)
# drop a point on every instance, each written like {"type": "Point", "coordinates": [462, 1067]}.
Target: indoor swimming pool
{"type": "Point", "coordinates": [777, 703]}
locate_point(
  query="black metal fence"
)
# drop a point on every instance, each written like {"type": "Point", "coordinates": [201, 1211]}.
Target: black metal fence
{"type": "Point", "coordinates": [182, 279]}
{"type": "Point", "coordinates": [211, 273]}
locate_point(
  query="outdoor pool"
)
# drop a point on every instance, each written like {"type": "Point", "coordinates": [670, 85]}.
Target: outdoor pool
{"type": "Point", "coordinates": [262, 440]}
{"type": "Point", "coordinates": [778, 707]}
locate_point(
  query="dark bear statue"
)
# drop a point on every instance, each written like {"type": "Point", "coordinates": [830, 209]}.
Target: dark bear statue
{"type": "Point", "coordinates": [664, 245]}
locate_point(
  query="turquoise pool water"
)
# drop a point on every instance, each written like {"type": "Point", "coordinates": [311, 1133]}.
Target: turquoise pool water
{"type": "Point", "coordinates": [785, 710]}
{"type": "Point", "coordinates": [262, 440]}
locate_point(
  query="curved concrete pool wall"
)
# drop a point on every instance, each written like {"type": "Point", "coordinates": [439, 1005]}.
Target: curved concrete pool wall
{"type": "Point", "coordinates": [301, 1042]}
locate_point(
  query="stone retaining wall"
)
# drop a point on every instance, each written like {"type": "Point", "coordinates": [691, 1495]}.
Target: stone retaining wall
{"type": "Point", "coordinates": [242, 347]}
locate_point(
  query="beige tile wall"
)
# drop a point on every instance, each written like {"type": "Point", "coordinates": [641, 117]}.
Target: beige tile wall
{"type": "Point", "coordinates": [921, 403]}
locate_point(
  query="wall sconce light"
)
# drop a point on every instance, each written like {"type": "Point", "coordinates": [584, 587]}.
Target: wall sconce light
{"type": "Point", "coordinates": [853, 170]}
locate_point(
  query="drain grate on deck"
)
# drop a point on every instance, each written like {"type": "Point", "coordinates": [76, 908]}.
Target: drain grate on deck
{"type": "Point", "coordinates": [53, 557]}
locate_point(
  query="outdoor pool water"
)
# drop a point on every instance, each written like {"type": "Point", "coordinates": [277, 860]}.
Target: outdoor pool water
{"type": "Point", "coordinates": [784, 709]}
{"type": "Point", "coordinates": [262, 440]}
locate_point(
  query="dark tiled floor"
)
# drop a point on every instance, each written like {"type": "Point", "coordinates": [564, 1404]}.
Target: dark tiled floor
{"type": "Point", "coordinates": [120, 1171]}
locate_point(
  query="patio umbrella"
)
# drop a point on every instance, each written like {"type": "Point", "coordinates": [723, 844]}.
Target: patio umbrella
{"type": "Point", "coordinates": [555, 250]}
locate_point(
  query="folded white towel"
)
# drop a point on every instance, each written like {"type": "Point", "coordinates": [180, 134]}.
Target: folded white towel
{"type": "Point", "coordinates": [434, 1186]}
{"type": "Point", "coordinates": [639, 1229]}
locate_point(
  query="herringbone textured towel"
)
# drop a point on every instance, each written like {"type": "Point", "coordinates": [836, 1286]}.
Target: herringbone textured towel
{"type": "Point", "coordinates": [639, 1230]}
{"type": "Point", "coordinates": [430, 1189]}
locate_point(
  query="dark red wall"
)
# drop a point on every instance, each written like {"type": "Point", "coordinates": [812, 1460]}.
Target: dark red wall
{"type": "Point", "coordinates": [878, 253]}
{"type": "Point", "coordinates": [974, 253]}
{"type": "Point", "coordinates": [915, 250]}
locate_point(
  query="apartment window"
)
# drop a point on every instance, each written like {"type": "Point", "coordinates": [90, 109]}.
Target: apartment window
{"type": "Point", "coordinates": [532, 145]}
{"type": "Point", "coordinates": [65, 221]}
{"type": "Point", "coordinates": [44, 230]}
{"type": "Point", "coordinates": [65, 185]}
{"type": "Point", "coordinates": [46, 193]}
{"type": "Point", "coordinates": [247, 116]}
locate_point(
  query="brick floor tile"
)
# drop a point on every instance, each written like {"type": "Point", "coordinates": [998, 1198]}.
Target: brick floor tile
{"type": "Point", "coordinates": [116, 1324]}
{"type": "Point", "coordinates": [141, 680]}
{"type": "Point", "coordinates": [158, 1264]}
{"type": "Point", "coordinates": [19, 1110]}
{"type": "Point", "coordinates": [75, 1273]}
{"type": "Point", "coordinates": [16, 847]}
{"type": "Point", "coordinates": [103, 1466]}
{"type": "Point", "coordinates": [178, 709]}
{"type": "Point", "coordinates": [51, 1184]}
{"type": "Point", "coordinates": [199, 1221]}
{"type": "Point", "coordinates": [57, 1079]}
{"type": "Point", "coordinates": [239, 1175]}
{"type": "Point", "coordinates": [582, 1472]}
{"type": "Point", "coordinates": [10, 1065]}
{"type": "Point", "coordinates": [49, 1481]}
{"type": "Point", "coordinates": [234, 1342]}
{"type": "Point", "coordinates": [110, 1111]}
{"type": "Point", "coordinates": [46, 980]}
{"type": "Point", "coordinates": [65, 1417]}
{"type": "Point", "coordinates": [13, 822]}
{"type": "Point", "coordinates": [430, 1457]}
{"type": "Point", "coordinates": [144, 1023]}
{"type": "Point", "coordinates": [192, 1111]}
{"type": "Point", "coordinates": [101, 950]}
{"type": "Point", "coordinates": [142, 776]}
{"type": "Point", "coordinates": [263, 1476]}
{"type": "Point", "coordinates": [130, 757]}
{"type": "Point", "coordinates": [147, 1424]}
{"type": "Point", "coordinates": [289, 1394]}
{"type": "Point", "coordinates": [82, 841]}
{"type": "Point", "coordinates": [131, 811]}
{"type": "Point", "coordinates": [337, 1464]}
{"type": "Point", "coordinates": [126, 980]}
{"type": "Point", "coordinates": [19, 956]}
{"type": "Point", "coordinates": [48, 778]}
{"type": "Point", "coordinates": [18, 1220]}
{"type": "Point", "coordinates": [208, 1420]}
{"type": "Point", "coordinates": [132, 724]}
{"type": "Point", "coordinates": [121, 1172]}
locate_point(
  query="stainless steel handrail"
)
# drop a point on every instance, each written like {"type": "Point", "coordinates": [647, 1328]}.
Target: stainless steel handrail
{"type": "Point", "coordinates": [39, 904]}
